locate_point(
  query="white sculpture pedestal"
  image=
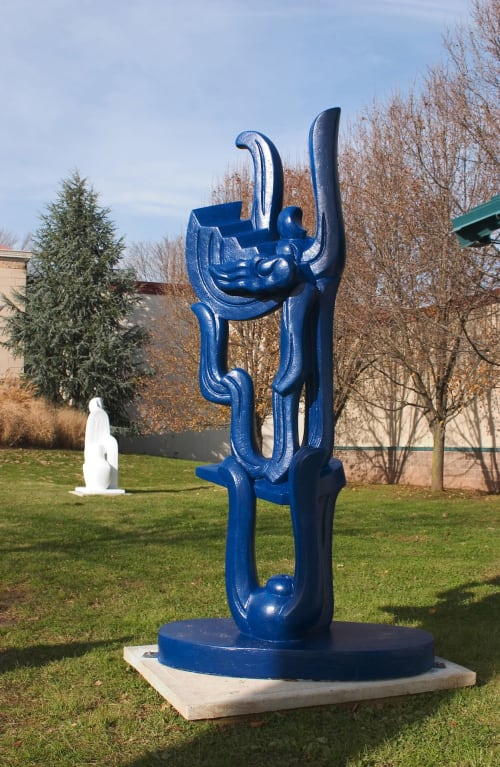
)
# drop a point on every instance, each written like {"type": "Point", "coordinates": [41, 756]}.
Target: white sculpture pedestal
{"type": "Point", "coordinates": [89, 491]}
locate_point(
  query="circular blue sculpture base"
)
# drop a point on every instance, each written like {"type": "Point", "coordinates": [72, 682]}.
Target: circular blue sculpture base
{"type": "Point", "coordinates": [347, 652]}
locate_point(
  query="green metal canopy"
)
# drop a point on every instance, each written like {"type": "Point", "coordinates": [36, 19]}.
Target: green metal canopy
{"type": "Point", "coordinates": [476, 227]}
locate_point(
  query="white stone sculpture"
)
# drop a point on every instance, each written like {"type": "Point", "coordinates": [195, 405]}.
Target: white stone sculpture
{"type": "Point", "coordinates": [100, 469]}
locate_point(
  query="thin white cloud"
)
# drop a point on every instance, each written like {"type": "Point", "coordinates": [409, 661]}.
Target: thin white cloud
{"type": "Point", "coordinates": [438, 11]}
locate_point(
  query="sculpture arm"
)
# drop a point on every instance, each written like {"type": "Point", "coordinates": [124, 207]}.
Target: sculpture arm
{"type": "Point", "coordinates": [326, 255]}
{"type": "Point", "coordinates": [213, 354]}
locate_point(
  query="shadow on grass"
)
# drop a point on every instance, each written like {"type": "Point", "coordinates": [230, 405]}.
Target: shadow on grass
{"type": "Point", "coordinates": [464, 626]}
{"type": "Point", "coordinates": [166, 490]}
{"type": "Point", "coordinates": [464, 631]}
{"type": "Point", "coordinates": [332, 736]}
{"type": "Point", "coordinates": [96, 539]}
{"type": "Point", "coordinates": [39, 655]}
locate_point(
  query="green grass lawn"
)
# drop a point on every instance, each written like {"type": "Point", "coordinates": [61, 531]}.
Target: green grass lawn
{"type": "Point", "coordinates": [82, 577]}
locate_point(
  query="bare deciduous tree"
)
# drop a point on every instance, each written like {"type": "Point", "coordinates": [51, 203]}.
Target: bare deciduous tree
{"type": "Point", "coordinates": [161, 261]}
{"type": "Point", "coordinates": [169, 397]}
{"type": "Point", "coordinates": [10, 240]}
{"type": "Point", "coordinates": [427, 290]}
{"type": "Point", "coordinates": [472, 78]}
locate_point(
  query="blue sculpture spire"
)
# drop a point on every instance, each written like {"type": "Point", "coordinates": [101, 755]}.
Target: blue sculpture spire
{"type": "Point", "coordinates": [242, 269]}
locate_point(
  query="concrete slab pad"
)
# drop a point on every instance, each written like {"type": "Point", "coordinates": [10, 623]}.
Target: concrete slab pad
{"type": "Point", "coordinates": [203, 696]}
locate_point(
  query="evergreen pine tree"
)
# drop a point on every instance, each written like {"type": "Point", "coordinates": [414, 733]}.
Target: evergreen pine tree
{"type": "Point", "coordinates": [71, 322]}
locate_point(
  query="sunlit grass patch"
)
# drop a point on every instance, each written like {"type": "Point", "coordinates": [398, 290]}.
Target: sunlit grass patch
{"type": "Point", "coordinates": [82, 577]}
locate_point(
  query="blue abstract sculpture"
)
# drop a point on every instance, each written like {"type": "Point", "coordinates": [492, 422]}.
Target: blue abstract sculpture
{"type": "Point", "coordinates": [241, 270]}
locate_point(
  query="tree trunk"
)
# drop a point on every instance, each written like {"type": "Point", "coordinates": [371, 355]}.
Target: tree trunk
{"type": "Point", "coordinates": [259, 423]}
{"type": "Point", "coordinates": [437, 475]}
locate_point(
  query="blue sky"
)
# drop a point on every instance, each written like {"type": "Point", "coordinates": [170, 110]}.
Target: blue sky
{"type": "Point", "coordinates": [146, 97]}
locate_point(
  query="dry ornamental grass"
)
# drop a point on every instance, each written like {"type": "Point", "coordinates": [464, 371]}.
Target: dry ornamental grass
{"type": "Point", "coordinates": [30, 421]}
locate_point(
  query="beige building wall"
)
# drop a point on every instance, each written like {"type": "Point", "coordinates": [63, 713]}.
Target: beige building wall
{"type": "Point", "coordinates": [375, 446]}
{"type": "Point", "coordinates": [13, 265]}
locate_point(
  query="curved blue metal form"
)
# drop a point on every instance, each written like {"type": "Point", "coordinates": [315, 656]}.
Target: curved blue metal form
{"type": "Point", "coordinates": [241, 270]}
{"type": "Point", "coordinates": [346, 652]}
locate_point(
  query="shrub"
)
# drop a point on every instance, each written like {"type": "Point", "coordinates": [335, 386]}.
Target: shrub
{"type": "Point", "coordinates": [69, 428]}
{"type": "Point", "coordinates": [30, 421]}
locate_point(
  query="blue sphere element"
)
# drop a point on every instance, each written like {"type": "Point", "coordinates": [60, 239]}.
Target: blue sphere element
{"type": "Point", "coordinates": [282, 585]}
